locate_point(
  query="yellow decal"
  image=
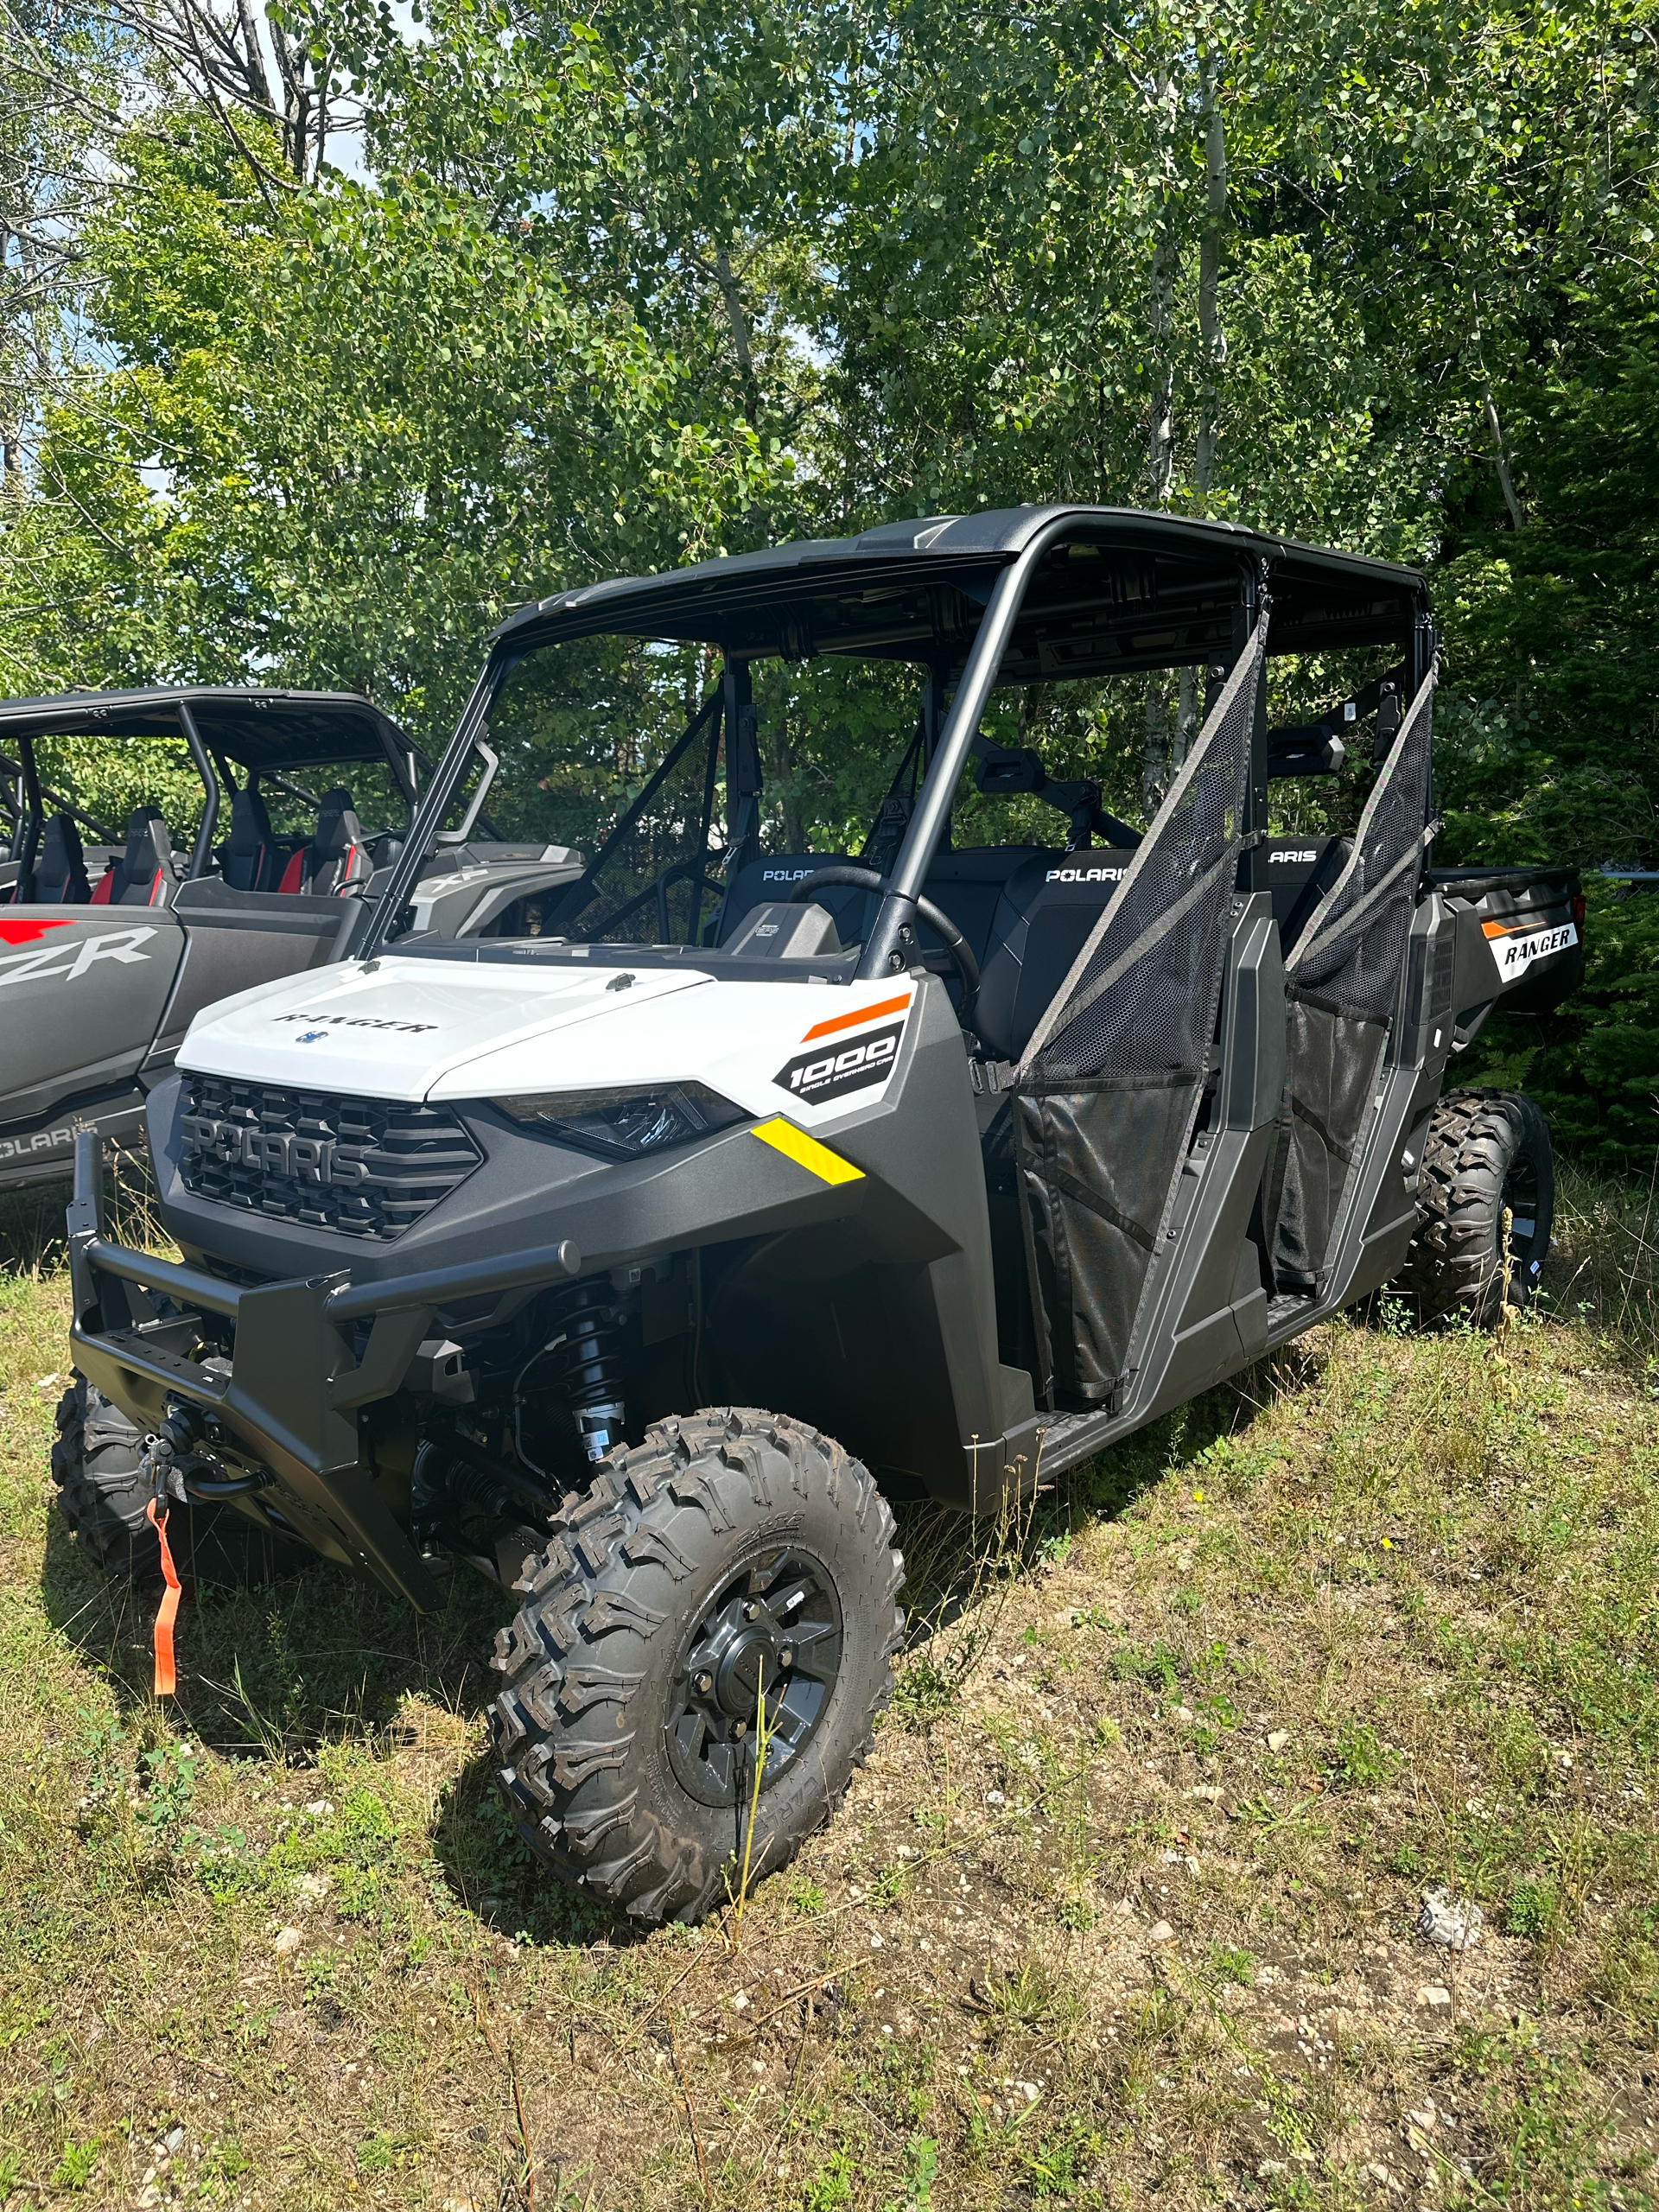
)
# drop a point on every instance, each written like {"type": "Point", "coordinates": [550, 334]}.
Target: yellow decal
{"type": "Point", "coordinates": [816, 1158]}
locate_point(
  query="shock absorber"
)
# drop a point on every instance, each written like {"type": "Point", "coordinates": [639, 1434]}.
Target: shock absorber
{"type": "Point", "coordinates": [584, 1351]}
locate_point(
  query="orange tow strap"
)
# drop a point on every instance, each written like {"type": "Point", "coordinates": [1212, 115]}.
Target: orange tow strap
{"type": "Point", "coordinates": [166, 1680]}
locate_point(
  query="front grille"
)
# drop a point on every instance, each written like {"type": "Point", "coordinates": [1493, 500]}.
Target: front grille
{"type": "Point", "coordinates": [356, 1164]}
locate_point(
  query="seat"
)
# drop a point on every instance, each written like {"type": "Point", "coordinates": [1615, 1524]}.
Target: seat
{"type": "Point", "coordinates": [968, 885]}
{"type": "Point", "coordinates": [337, 858]}
{"type": "Point", "coordinates": [1301, 870]}
{"type": "Point", "coordinates": [775, 876]}
{"type": "Point", "coordinates": [59, 877]}
{"type": "Point", "coordinates": [1047, 907]}
{"type": "Point", "coordinates": [248, 858]}
{"type": "Point", "coordinates": [146, 874]}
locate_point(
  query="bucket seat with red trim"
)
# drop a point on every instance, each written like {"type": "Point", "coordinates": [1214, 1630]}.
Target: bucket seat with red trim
{"type": "Point", "coordinates": [59, 877]}
{"type": "Point", "coordinates": [146, 874]}
{"type": "Point", "coordinates": [337, 859]}
{"type": "Point", "coordinates": [249, 859]}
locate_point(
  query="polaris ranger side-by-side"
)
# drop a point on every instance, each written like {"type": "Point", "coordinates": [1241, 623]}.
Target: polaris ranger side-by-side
{"type": "Point", "coordinates": [761, 1188]}
{"type": "Point", "coordinates": [109, 949]}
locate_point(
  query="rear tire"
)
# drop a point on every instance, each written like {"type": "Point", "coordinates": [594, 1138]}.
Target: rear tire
{"type": "Point", "coordinates": [727, 1543]}
{"type": "Point", "coordinates": [95, 1465]}
{"type": "Point", "coordinates": [1487, 1156]}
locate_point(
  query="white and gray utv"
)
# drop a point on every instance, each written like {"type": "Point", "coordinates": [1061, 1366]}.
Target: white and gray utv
{"type": "Point", "coordinates": [642, 1262]}
{"type": "Point", "coordinates": [111, 945]}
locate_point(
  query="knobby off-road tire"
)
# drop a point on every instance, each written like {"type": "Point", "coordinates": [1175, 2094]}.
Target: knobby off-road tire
{"type": "Point", "coordinates": [619, 1734]}
{"type": "Point", "coordinates": [95, 1464]}
{"type": "Point", "coordinates": [1487, 1154]}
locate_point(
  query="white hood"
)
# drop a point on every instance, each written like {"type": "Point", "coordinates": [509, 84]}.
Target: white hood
{"type": "Point", "coordinates": [394, 1032]}
{"type": "Point", "coordinates": [417, 1029]}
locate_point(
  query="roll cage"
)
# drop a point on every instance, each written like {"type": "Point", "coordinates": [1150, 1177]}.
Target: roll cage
{"type": "Point", "coordinates": [1010, 596]}
{"type": "Point", "coordinates": [268, 733]}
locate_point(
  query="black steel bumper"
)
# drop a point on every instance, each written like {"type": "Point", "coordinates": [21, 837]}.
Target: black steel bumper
{"type": "Point", "coordinates": [290, 1391]}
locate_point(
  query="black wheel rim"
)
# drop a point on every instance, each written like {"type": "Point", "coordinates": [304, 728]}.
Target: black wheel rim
{"type": "Point", "coordinates": [774, 1625]}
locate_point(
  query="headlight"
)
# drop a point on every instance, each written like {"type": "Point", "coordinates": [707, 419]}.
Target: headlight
{"type": "Point", "coordinates": [622, 1124]}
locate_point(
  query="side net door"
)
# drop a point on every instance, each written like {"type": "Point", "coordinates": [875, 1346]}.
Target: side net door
{"type": "Point", "coordinates": [1342, 984]}
{"type": "Point", "coordinates": [1109, 1088]}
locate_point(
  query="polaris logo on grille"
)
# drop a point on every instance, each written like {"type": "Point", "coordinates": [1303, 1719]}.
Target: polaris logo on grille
{"type": "Point", "coordinates": [273, 1152]}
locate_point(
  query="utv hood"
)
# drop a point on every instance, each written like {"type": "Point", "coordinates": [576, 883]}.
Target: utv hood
{"type": "Point", "coordinates": [423, 1030]}
{"type": "Point", "coordinates": [394, 1028]}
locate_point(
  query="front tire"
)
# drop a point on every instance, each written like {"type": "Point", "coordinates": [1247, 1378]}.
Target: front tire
{"type": "Point", "coordinates": [95, 1464]}
{"type": "Point", "coordinates": [731, 1551]}
{"type": "Point", "coordinates": [1485, 1206]}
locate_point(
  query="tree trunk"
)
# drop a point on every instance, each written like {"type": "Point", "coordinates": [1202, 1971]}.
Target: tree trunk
{"type": "Point", "coordinates": [1213, 337]}
{"type": "Point", "coordinates": [1161, 303]}
{"type": "Point", "coordinates": [1156, 755]}
{"type": "Point", "coordinates": [738, 319]}
{"type": "Point", "coordinates": [1500, 458]}
{"type": "Point", "coordinates": [254, 57]}
{"type": "Point", "coordinates": [783, 769]}
{"type": "Point", "coordinates": [1161, 435]}
{"type": "Point", "coordinates": [1212, 349]}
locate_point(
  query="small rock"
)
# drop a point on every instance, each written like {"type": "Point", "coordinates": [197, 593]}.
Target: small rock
{"type": "Point", "coordinates": [1433, 1993]}
{"type": "Point", "coordinates": [318, 1809]}
{"type": "Point", "coordinates": [741, 2002]}
{"type": "Point", "coordinates": [875, 1942]}
{"type": "Point", "coordinates": [1278, 1739]}
{"type": "Point", "coordinates": [994, 1797]}
{"type": "Point", "coordinates": [1029, 2091]}
{"type": "Point", "coordinates": [1426, 2118]}
{"type": "Point", "coordinates": [1161, 1932]}
{"type": "Point", "coordinates": [1455, 1927]}
{"type": "Point", "coordinates": [315, 1885]}
{"type": "Point", "coordinates": [1184, 1713]}
{"type": "Point", "coordinates": [174, 2141]}
{"type": "Point", "coordinates": [148, 2198]}
{"type": "Point", "coordinates": [288, 1940]}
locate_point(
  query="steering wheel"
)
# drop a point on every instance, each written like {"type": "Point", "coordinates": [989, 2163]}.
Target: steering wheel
{"type": "Point", "coordinates": [960, 952]}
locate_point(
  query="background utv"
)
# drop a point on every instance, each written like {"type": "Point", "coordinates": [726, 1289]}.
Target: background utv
{"type": "Point", "coordinates": [956, 1157]}
{"type": "Point", "coordinates": [109, 949]}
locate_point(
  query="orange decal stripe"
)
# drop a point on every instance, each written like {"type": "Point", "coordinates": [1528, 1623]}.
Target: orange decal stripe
{"type": "Point", "coordinates": [852, 1020]}
{"type": "Point", "coordinates": [1519, 927]}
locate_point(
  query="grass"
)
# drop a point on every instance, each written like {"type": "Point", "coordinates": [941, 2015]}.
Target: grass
{"type": "Point", "coordinates": [1121, 1913]}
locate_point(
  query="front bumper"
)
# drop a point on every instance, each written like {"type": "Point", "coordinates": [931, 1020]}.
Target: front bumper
{"type": "Point", "coordinates": [287, 1397]}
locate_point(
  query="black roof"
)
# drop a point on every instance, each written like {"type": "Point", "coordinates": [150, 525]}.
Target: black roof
{"type": "Point", "coordinates": [256, 728]}
{"type": "Point", "coordinates": [1126, 588]}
